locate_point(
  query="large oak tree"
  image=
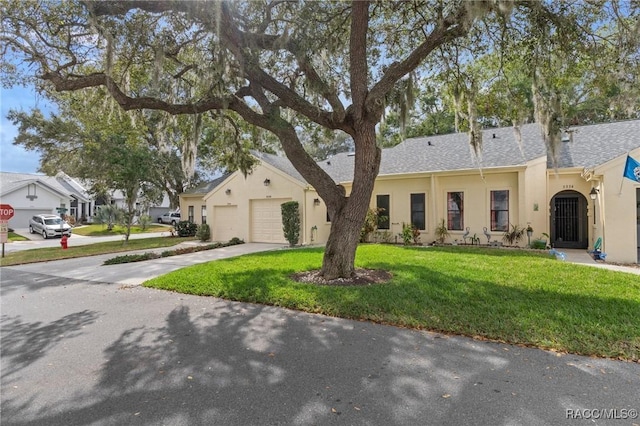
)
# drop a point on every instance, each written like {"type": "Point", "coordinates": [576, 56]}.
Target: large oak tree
{"type": "Point", "coordinates": [276, 63]}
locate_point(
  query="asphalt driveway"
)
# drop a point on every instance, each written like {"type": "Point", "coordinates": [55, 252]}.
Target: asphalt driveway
{"type": "Point", "coordinates": [81, 351]}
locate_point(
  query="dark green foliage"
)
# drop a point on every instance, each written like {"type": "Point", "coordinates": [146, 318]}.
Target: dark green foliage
{"type": "Point", "coordinates": [370, 224]}
{"type": "Point", "coordinates": [204, 232]}
{"type": "Point", "coordinates": [184, 228]}
{"type": "Point", "coordinates": [514, 235]}
{"type": "Point", "coordinates": [128, 258]}
{"type": "Point", "coordinates": [291, 222]}
{"type": "Point", "coordinates": [410, 234]}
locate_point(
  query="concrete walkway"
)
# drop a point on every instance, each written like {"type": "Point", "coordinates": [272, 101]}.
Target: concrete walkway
{"type": "Point", "coordinates": [91, 268]}
{"type": "Point", "coordinates": [583, 258]}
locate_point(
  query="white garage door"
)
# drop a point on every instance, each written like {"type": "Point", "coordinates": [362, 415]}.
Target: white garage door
{"type": "Point", "coordinates": [20, 219]}
{"type": "Point", "coordinates": [225, 223]}
{"type": "Point", "coordinates": [266, 221]}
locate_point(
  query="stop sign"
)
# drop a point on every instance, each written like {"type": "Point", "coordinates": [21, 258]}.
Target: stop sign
{"type": "Point", "coordinates": [6, 212]}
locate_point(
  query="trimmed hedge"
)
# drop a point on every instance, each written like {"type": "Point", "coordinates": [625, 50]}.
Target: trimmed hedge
{"type": "Point", "coordinates": [184, 228]}
{"type": "Point", "coordinates": [128, 258]}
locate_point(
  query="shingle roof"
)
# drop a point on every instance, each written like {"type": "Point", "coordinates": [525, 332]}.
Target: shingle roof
{"type": "Point", "coordinates": [591, 145]}
{"type": "Point", "coordinates": [448, 152]}
{"type": "Point", "coordinates": [73, 186]}
{"type": "Point", "coordinates": [281, 163]}
{"type": "Point", "coordinates": [598, 143]}
{"type": "Point", "coordinates": [206, 187]}
{"type": "Point", "coordinates": [10, 181]}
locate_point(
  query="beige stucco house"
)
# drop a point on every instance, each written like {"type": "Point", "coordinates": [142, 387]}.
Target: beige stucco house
{"type": "Point", "coordinates": [430, 179]}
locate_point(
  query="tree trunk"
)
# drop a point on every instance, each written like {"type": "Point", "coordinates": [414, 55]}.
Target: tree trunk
{"type": "Point", "coordinates": [347, 220]}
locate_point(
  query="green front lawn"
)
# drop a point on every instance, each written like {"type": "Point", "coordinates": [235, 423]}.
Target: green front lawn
{"type": "Point", "coordinates": [98, 230]}
{"type": "Point", "coordinates": [512, 296]}
{"type": "Point", "coordinates": [56, 253]}
{"type": "Point", "coordinates": [12, 236]}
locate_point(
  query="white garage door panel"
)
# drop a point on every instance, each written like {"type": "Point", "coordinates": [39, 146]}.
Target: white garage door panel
{"type": "Point", "coordinates": [225, 223]}
{"type": "Point", "coordinates": [20, 219]}
{"type": "Point", "coordinates": [266, 221]}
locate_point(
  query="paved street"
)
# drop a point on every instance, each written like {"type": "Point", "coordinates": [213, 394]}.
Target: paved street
{"type": "Point", "coordinates": [36, 241]}
{"type": "Point", "coordinates": [80, 351]}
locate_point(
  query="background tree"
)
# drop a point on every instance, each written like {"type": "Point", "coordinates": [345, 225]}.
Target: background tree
{"type": "Point", "coordinates": [332, 64]}
{"type": "Point", "coordinates": [109, 214]}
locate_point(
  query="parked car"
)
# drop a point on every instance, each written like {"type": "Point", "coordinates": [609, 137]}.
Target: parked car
{"type": "Point", "coordinates": [169, 218]}
{"type": "Point", "coordinates": [49, 225]}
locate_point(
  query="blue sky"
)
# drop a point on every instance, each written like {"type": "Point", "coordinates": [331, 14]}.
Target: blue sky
{"type": "Point", "coordinates": [14, 158]}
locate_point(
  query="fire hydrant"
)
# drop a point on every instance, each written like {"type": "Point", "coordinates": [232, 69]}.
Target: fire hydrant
{"type": "Point", "coordinates": [63, 242]}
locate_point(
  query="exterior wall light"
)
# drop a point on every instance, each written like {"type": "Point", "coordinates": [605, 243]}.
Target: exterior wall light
{"type": "Point", "coordinates": [593, 194]}
{"type": "Point", "coordinates": [228, 191]}
{"type": "Point", "coordinates": [267, 182]}
{"type": "Point", "coordinates": [316, 201]}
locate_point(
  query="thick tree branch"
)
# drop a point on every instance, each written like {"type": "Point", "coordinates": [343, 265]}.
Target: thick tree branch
{"type": "Point", "coordinates": [128, 103]}
{"type": "Point", "coordinates": [321, 86]}
{"type": "Point", "coordinates": [358, 57]}
{"type": "Point", "coordinates": [241, 43]}
{"type": "Point", "coordinates": [236, 41]}
{"type": "Point", "coordinates": [448, 29]}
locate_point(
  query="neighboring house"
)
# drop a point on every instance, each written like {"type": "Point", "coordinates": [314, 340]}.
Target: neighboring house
{"type": "Point", "coordinates": [192, 205]}
{"type": "Point", "coordinates": [429, 179]}
{"type": "Point", "coordinates": [31, 194]}
{"type": "Point", "coordinates": [82, 204]}
{"type": "Point", "coordinates": [143, 205]}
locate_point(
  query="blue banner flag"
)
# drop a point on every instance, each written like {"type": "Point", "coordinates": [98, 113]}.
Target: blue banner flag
{"type": "Point", "coordinates": [632, 169]}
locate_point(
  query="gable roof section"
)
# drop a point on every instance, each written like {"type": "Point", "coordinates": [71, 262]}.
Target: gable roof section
{"type": "Point", "coordinates": [10, 182]}
{"type": "Point", "coordinates": [206, 187]}
{"type": "Point", "coordinates": [281, 163]}
{"type": "Point", "coordinates": [73, 187]}
{"type": "Point", "coordinates": [597, 144]}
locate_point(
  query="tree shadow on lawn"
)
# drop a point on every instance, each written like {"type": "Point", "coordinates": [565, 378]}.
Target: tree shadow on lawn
{"type": "Point", "coordinates": [239, 364]}
{"type": "Point", "coordinates": [540, 315]}
{"type": "Point", "coordinates": [547, 316]}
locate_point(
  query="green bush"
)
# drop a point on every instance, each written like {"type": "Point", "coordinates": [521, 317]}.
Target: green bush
{"type": "Point", "coordinates": [514, 235]}
{"type": "Point", "coordinates": [128, 258]}
{"type": "Point", "coordinates": [144, 221]}
{"type": "Point", "coordinates": [204, 232]}
{"type": "Point", "coordinates": [539, 244]}
{"type": "Point", "coordinates": [291, 222]}
{"type": "Point", "coordinates": [184, 228]}
{"type": "Point", "coordinates": [185, 250]}
{"type": "Point", "coordinates": [410, 234]}
{"type": "Point", "coordinates": [370, 224]}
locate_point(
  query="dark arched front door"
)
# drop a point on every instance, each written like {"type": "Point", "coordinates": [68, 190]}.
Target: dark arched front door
{"type": "Point", "coordinates": [569, 220]}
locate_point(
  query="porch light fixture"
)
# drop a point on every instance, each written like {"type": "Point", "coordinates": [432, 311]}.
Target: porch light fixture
{"type": "Point", "coordinates": [593, 194]}
{"type": "Point", "coordinates": [267, 182]}
{"type": "Point", "coordinates": [228, 191]}
{"type": "Point", "coordinates": [316, 201]}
